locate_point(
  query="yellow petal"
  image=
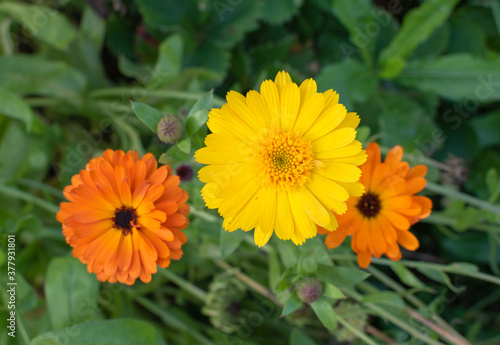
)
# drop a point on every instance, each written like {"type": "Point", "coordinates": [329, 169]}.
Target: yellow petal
{"type": "Point", "coordinates": [261, 237]}
{"type": "Point", "coordinates": [290, 102]}
{"type": "Point", "coordinates": [335, 139]}
{"type": "Point", "coordinates": [340, 172]}
{"type": "Point", "coordinates": [285, 225]}
{"type": "Point", "coordinates": [326, 122]}
{"type": "Point", "coordinates": [303, 223]}
{"type": "Point", "coordinates": [329, 193]}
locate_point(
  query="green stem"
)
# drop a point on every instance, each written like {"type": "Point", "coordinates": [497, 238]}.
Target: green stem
{"type": "Point", "coordinates": [16, 193]}
{"type": "Point", "coordinates": [355, 331]}
{"type": "Point", "coordinates": [439, 218]}
{"type": "Point", "coordinates": [41, 186]}
{"type": "Point", "coordinates": [395, 320]}
{"type": "Point", "coordinates": [127, 91]}
{"type": "Point", "coordinates": [433, 187]}
{"type": "Point", "coordinates": [415, 264]}
{"type": "Point", "coordinates": [203, 214]}
{"type": "Point", "coordinates": [22, 329]}
{"type": "Point", "coordinates": [171, 320]}
{"type": "Point", "coordinates": [184, 284]}
{"type": "Point", "coordinates": [42, 102]}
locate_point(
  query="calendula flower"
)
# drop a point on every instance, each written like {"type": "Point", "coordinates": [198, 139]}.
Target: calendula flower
{"type": "Point", "coordinates": [379, 220]}
{"type": "Point", "coordinates": [124, 216]}
{"type": "Point", "coordinates": [282, 160]}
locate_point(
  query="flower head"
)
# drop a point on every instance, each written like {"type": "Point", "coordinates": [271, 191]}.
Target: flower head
{"type": "Point", "coordinates": [124, 216]}
{"type": "Point", "coordinates": [283, 160]}
{"type": "Point", "coordinates": [380, 219]}
{"type": "Point", "coordinates": [170, 129]}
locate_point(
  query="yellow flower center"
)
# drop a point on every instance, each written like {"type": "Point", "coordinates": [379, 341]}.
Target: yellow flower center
{"type": "Point", "coordinates": [283, 160]}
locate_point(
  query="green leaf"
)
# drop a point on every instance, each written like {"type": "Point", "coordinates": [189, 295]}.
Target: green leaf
{"type": "Point", "coordinates": [464, 266]}
{"type": "Point", "coordinates": [467, 218]}
{"type": "Point", "coordinates": [27, 75]}
{"type": "Point", "coordinates": [173, 156]}
{"type": "Point", "coordinates": [229, 241]}
{"type": "Point", "coordinates": [71, 292]}
{"type": "Point", "coordinates": [184, 145]}
{"type": "Point", "coordinates": [405, 275]}
{"type": "Point", "coordinates": [15, 107]}
{"type": "Point", "coordinates": [332, 292]}
{"type": "Point", "coordinates": [297, 337]}
{"type": "Point", "coordinates": [317, 247]}
{"type": "Point", "coordinates": [108, 332]}
{"type": "Point", "coordinates": [440, 277]}
{"type": "Point", "coordinates": [204, 103]}
{"type": "Point", "coordinates": [292, 304]}
{"type": "Point", "coordinates": [486, 128]}
{"type": "Point", "coordinates": [195, 121]}
{"type": "Point", "coordinates": [404, 122]}
{"type": "Point", "coordinates": [353, 81]}
{"type": "Point", "coordinates": [455, 77]}
{"type": "Point", "coordinates": [148, 115]}
{"type": "Point", "coordinates": [169, 62]}
{"type": "Point", "coordinates": [287, 250]}
{"type": "Point", "coordinates": [323, 309]}
{"type": "Point", "coordinates": [340, 276]}
{"type": "Point", "coordinates": [279, 11]}
{"type": "Point", "coordinates": [44, 23]}
{"type": "Point", "coordinates": [385, 298]}
{"type": "Point", "coordinates": [418, 25]}
{"type": "Point", "coordinates": [356, 15]}
{"type": "Point", "coordinates": [286, 279]}
{"type": "Point", "coordinates": [363, 132]}
{"type": "Point", "coordinates": [307, 264]}
{"type": "Point", "coordinates": [26, 296]}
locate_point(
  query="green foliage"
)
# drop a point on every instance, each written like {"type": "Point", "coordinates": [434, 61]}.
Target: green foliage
{"type": "Point", "coordinates": [118, 331]}
{"type": "Point", "coordinates": [80, 77]}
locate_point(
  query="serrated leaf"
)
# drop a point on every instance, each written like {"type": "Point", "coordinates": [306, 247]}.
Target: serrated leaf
{"type": "Point", "coordinates": [297, 337]}
{"type": "Point", "coordinates": [340, 276]}
{"type": "Point", "coordinates": [417, 26]}
{"type": "Point", "coordinates": [323, 309]}
{"type": "Point", "coordinates": [387, 298]}
{"type": "Point", "coordinates": [279, 11]}
{"type": "Point", "coordinates": [292, 304]}
{"type": "Point", "coordinates": [68, 288]}
{"type": "Point", "coordinates": [15, 107]}
{"type": "Point", "coordinates": [440, 277]}
{"type": "Point", "coordinates": [230, 241]}
{"type": "Point", "coordinates": [455, 77]}
{"type": "Point", "coordinates": [116, 331]}
{"type": "Point", "coordinates": [147, 114]}
{"type": "Point", "coordinates": [353, 81]}
{"type": "Point", "coordinates": [405, 275]}
{"type": "Point", "coordinates": [332, 292]}
{"type": "Point", "coordinates": [286, 279]}
{"type": "Point", "coordinates": [44, 23]}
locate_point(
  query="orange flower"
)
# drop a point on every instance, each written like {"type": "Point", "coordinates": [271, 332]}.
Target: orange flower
{"type": "Point", "coordinates": [380, 219]}
{"type": "Point", "coordinates": [124, 216]}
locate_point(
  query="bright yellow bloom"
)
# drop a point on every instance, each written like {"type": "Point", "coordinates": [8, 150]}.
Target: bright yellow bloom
{"type": "Point", "coordinates": [284, 159]}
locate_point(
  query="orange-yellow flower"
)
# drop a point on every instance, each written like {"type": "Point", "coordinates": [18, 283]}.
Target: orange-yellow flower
{"type": "Point", "coordinates": [380, 219]}
{"type": "Point", "coordinates": [124, 216]}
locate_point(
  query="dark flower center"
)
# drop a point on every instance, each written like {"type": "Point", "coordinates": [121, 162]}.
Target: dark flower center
{"type": "Point", "coordinates": [369, 205]}
{"type": "Point", "coordinates": [185, 172]}
{"type": "Point", "coordinates": [122, 219]}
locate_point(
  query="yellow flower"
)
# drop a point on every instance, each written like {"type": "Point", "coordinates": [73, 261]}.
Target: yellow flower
{"type": "Point", "coordinates": [284, 159]}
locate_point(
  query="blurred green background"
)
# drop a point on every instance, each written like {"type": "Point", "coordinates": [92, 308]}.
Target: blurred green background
{"type": "Point", "coordinates": [422, 74]}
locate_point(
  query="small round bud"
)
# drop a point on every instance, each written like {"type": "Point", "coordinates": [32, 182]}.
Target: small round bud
{"type": "Point", "coordinates": [309, 290]}
{"type": "Point", "coordinates": [170, 129]}
{"type": "Point", "coordinates": [185, 172]}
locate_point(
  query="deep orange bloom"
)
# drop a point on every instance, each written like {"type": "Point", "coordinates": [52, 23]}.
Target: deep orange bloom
{"type": "Point", "coordinates": [124, 216]}
{"type": "Point", "coordinates": [380, 219]}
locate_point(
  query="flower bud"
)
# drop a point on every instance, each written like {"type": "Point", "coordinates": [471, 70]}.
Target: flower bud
{"type": "Point", "coordinates": [170, 129]}
{"type": "Point", "coordinates": [309, 290]}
